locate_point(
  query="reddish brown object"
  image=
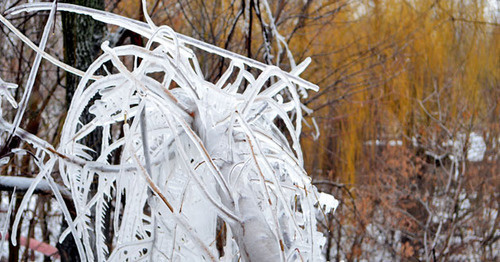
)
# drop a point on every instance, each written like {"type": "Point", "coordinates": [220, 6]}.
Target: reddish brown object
{"type": "Point", "coordinates": [38, 246]}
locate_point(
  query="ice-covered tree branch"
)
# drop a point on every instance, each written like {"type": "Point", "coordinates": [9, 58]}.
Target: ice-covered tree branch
{"type": "Point", "coordinates": [179, 153]}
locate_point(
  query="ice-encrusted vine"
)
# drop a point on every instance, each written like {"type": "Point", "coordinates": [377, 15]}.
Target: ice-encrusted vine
{"type": "Point", "coordinates": [189, 152]}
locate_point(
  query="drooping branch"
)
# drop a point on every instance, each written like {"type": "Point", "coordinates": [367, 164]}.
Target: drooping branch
{"type": "Point", "coordinates": [211, 149]}
{"type": "Point", "coordinates": [21, 184]}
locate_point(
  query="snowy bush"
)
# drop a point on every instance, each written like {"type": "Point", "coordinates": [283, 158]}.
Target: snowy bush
{"type": "Point", "coordinates": [193, 155]}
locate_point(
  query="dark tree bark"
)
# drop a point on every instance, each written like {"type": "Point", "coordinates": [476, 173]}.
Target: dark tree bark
{"type": "Point", "coordinates": [82, 36]}
{"type": "Point", "coordinates": [82, 40]}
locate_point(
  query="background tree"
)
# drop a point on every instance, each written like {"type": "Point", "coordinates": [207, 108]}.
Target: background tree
{"type": "Point", "coordinates": [410, 132]}
{"type": "Point", "coordinates": [82, 36]}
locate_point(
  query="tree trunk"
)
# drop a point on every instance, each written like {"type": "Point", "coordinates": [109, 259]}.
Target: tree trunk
{"type": "Point", "coordinates": [82, 36]}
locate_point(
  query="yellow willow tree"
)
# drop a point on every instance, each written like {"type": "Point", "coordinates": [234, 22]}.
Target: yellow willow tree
{"type": "Point", "coordinates": [409, 118]}
{"type": "Point", "coordinates": [386, 67]}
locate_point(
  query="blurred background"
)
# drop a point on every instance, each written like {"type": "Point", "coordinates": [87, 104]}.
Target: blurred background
{"type": "Point", "coordinates": [408, 111]}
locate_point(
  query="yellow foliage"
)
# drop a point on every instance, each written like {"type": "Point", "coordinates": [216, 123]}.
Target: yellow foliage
{"type": "Point", "coordinates": [398, 70]}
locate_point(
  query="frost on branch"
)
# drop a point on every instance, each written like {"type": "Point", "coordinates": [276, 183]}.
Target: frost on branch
{"type": "Point", "coordinates": [190, 152]}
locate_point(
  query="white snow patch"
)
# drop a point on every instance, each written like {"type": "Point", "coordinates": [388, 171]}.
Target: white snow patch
{"type": "Point", "coordinates": [477, 148]}
{"type": "Point", "coordinates": [328, 202]}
